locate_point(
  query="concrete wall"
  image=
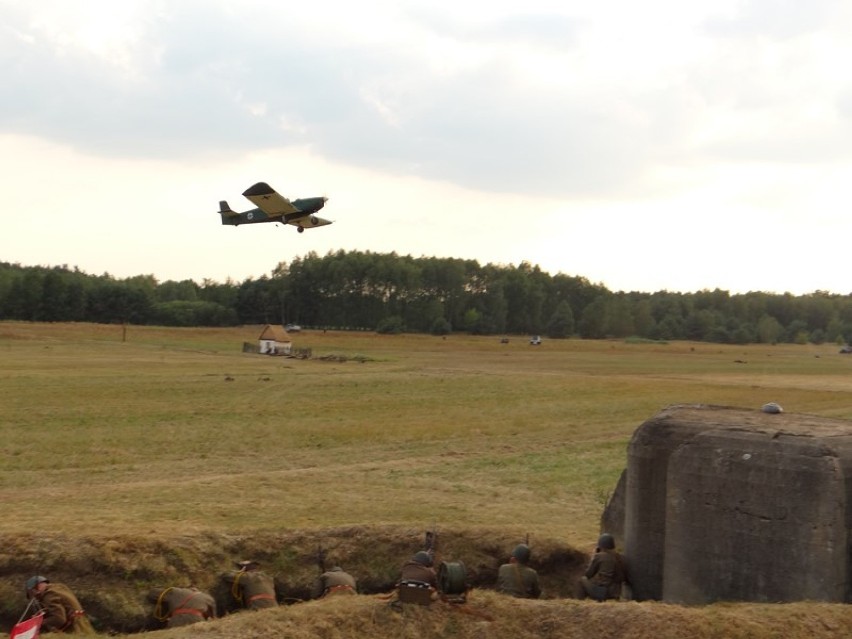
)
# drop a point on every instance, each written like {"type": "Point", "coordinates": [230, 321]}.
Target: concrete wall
{"type": "Point", "coordinates": [732, 504]}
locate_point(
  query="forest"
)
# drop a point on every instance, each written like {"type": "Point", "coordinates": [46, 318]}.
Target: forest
{"type": "Point", "coordinates": [390, 293]}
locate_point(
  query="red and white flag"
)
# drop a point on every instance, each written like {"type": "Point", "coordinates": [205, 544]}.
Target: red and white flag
{"type": "Point", "coordinates": [28, 629]}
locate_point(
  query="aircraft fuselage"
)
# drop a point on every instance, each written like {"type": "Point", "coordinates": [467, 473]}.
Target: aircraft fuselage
{"type": "Point", "coordinates": [272, 207]}
{"type": "Point", "coordinates": [306, 206]}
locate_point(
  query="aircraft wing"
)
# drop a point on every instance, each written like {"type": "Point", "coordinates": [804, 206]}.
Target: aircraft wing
{"type": "Point", "coordinates": [267, 200]}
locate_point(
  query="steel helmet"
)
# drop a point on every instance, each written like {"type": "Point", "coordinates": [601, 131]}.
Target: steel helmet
{"type": "Point", "coordinates": [423, 558]}
{"type": "Point", "coordinates": [521, 553]}
{"type": "Point", "coordinates": [606, 542]}
{"type": "Point", "coordinates": [32, 582]}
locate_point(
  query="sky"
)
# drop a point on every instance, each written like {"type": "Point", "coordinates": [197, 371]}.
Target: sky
{"type": "Point", "coordinates": [661, 145]}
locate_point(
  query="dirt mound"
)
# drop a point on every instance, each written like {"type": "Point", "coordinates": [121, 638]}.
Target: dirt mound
{"type": "Point", "coordinates": [489, 615]}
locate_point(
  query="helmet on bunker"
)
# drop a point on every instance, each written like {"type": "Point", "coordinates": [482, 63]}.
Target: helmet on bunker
{"type": "Point", "coordinates": [606, 542]}
{"type": "Point", "coordinates": [521, 553]}
{"type": "Point", "coordinates": [32, 582]}
{"type": "Point", "coordinates": [423, 558]}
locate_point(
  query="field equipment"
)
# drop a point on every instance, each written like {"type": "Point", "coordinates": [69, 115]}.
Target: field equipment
{"type": "Point", "coordinates": [28, 629]}
{"type": "Point", "coordinates": [452, 581]}
{"type": "Point", "coordinates": [416, 592]}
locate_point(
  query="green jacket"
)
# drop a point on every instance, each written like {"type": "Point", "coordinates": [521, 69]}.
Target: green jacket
{"type": "Point", "coordinates": [608, 570]}
{"type": "Point", "coordinates": [252, 589]}
{"type": "Point", "coordinates": [334, 581]}
{"type": "Point", "coordinates": [518, 580]}
{"type": "Point", "coordinates": [184, 606]}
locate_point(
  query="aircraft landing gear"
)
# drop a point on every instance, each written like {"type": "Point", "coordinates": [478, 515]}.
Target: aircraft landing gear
{"type": "Point", "coordinates": [301, 229]}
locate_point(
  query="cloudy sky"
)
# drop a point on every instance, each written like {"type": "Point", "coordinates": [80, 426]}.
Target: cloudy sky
{"type": "Point", "coordinates": [661, 145]}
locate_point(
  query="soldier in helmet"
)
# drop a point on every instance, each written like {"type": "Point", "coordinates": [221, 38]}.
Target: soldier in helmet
{"type": "Point", "coordinates": [419, 568]}
{"type": "Point", "coordinates": [181, 606]}
{"type": "Point", "coordinates": [606, 573]}
{"type": "Point", "coordinates": [516, 578]}
{"type": "Point", "coordinates": [250, 587]}
{"type": "Point", "coordinates": [62, 609]}
{"type": "Point", "coordinates": [418, 581]}
{"type": "Point", "coordinates": [335, 582]}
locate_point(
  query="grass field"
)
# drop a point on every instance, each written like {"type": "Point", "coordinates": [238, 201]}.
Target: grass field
{"type": "Point", "coordinates": [156, 434]}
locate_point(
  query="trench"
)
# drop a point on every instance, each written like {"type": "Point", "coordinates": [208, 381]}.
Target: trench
{"type": "Point", "coordinates": [112, 577]}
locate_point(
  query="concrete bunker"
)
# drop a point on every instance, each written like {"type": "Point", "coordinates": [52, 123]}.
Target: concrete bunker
{"type": "Point", "coordinates": [720, 503]}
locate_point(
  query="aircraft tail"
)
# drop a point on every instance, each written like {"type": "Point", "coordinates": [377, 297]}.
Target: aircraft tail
{"type": "Point", "coordinates": [229, 216]}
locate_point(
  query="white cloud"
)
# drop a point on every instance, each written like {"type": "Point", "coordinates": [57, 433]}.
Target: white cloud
{"type": "Point", "coordinates": [499, 131]}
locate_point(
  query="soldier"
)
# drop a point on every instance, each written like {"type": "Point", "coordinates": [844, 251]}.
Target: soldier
{"type": "Point", "coordinates": [606, 573]}
{"type": "Point", "coordinates": [182, 606]}
{"type": "Point", "coordinates": [418, 580]}
{"type": "Point", "coordinates": [251, 587]}
{"type": "Point", "coordinates": [419, 568]}
{"type": "Point", "coordinates": [335, 582]}
{"type": "Point", "coordinates": [62, 610]}
{"type": "Point", "coordinates": [516, 578]}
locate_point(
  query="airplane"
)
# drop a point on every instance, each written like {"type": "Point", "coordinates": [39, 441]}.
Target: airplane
{"type": "Point", "coordinates": [273, 207]}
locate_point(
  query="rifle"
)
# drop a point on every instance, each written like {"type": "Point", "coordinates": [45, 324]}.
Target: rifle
{"type": "Point", "coordinates": [430, 541]}
{"type": "Point", "coordinates": [320, 558]}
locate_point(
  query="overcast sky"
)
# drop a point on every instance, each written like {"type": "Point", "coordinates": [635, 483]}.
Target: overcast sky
{"type": "Point", "coordinates": [661, 145]}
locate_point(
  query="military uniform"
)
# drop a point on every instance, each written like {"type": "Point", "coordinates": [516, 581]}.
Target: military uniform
{"type": "Point", "coordinates": [518, 580]}
{"type": "Point", "coordinates": [415, 571]}
{"type": "Point", "coordinates": [418, 580]}
{"type": "Point", "coordinates": [604, 577]}
{"type": "Point", "coordinates": [251, 588]}
{"type": "Point", "coordinates": [183, 606]}
{"type": "Point", "coordinates": [606, 573]}
{"type": "Point", "coordinates": [62, 611]}
{"type": "Point", "coordinates": [335, 582]}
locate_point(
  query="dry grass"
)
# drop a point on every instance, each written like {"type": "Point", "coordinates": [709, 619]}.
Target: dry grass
{"type": "Point", "coordinates": [488, 615]}
{"type": "Point", "coordinates": [145, 440]}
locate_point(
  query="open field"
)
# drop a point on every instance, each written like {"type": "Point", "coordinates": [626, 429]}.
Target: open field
{"type": "Point", "coordinates": [138, 438]}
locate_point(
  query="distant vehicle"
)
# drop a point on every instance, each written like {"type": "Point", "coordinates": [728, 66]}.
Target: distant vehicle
{"type": "Point", "coordinates": [273, 207]}
{"type": "Point", "coordinates": [535, 340]}
{"type": "Point", "coordinates": [846, 349]}
{"type": "Point", "coordinates": [292, 328]}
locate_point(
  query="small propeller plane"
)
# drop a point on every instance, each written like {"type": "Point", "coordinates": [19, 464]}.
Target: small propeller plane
{"type": "Point", "coordinates": [273, 207]}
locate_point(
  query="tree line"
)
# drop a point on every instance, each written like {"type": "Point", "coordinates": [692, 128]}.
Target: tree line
{"type": "Point", "coordinates": [390, 293]}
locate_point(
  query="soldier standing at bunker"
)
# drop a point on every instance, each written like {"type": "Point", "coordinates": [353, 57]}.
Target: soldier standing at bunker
{"type": "Point", "coordinates": [516, 578]}
{"type": "Point", "coordinates": [334, 582]}
{"type": "Point", "coordinates": [250, 587]}
{"type": "Point", "coordinates": [182, 606]}
{"type": "Point", "coordinates": [62, 609]}
{"type": "Point", "coordinates": [606, 573]}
